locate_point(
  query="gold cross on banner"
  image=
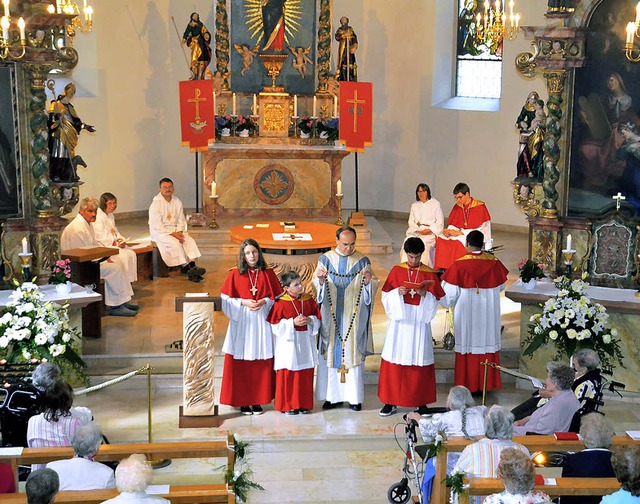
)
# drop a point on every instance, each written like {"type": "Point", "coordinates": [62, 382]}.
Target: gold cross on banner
{"type": "Point", "coordinates": [196, 99]}
{"type": "Point", "coordinates": [343, 371]}
{"type": "Point", "coordinates": [355, 109]}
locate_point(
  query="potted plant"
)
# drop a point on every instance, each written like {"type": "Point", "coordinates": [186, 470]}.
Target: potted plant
{"type": "Point", "coordinates": [530, 272]}
{"type": "Point", "coordinates": [329, 129]}
{"type": "Point", "coordinates": [246, 126]}
{"type": "Point", "coordinates": [223, 125]}
{"type": "Point", "coordinates": [305, 125]}
{"type": "Point", "coordinates": [61, 276]}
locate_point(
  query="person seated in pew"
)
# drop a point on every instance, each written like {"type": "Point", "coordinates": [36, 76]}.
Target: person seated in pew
{"type": "Point", "coordinates": [626, 467]}
{"type": "Point", "coordinates": [81, 472]}
{"type": "Point", "coordinates": [517, 473]}
{"type": "Point", "coordinates": [133, 476]}
{"type": "Point", "coordinates": [557, 413]}
{"type": "Point", "coordinates": [42, 486]}
{"type": "Point", "coordinates": [595, 460]}
{"type": "Point", "coordinates": [58, 422]}
{"type": "Point", "coordinates": [107, 235]}
{"type": "Point", "coordinates": [480, 459]}
{"type": "Point", "coordinates": [586, 384]}
{"type": "Point", "coordinates": [117, 288]}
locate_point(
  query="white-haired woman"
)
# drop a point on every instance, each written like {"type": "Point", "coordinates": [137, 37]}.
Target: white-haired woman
{"type": "Point", "coordinates": [133, 476]}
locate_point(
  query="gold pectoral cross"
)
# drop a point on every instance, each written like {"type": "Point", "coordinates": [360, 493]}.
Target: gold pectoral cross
{"type": "Point", "coordinates": [253, 290]}
{"type": "Point", "coordinates": [356, 109]}
{"type": "Point", "coordinates": [343, 371]}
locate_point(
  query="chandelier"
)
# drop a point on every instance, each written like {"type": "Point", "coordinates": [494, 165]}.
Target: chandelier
{"type": "Point", "coordinates": [71, 8]}
{"type": "Point", "coordinates": [631, 52]}
{"type": "Point", "coordinates": [494, 25]}
{"type": "Point", "coordinates": [8, 49]}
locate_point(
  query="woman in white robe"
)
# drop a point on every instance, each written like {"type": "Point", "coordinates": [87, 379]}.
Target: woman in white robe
{"type": "Point", "coordinates": [426, 220]}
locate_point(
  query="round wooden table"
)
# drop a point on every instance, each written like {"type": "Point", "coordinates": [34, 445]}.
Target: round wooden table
{"type": "Point", "coordinates": [323, 237]}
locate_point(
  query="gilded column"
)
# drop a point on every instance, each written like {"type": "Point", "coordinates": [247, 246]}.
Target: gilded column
{"type": "Point", "coordinates": [324, 44]}
{"type": "Point", "coordinates": [222, 42]}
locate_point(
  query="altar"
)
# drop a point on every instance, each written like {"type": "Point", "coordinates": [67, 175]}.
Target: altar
{"type": "Point", "coordinates": [623, 308]}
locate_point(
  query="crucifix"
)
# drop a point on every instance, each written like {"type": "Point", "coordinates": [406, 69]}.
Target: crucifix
{"type": "Point", "coordinates": [196, 99]}
{"type": "Point", "coordinates": [356, 110]}
{"type": "Point", "coordinates": [253, 290]}
{"type": "Point", "coordinates": [618, 197]}
{"type": "Point", "coordinates": [343, 371]}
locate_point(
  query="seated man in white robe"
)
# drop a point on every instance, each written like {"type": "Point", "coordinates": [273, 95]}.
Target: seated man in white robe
{"type": "Point", "coordinates": [168, 228]}
{"type": "Point", "coordinates": [117, 289]}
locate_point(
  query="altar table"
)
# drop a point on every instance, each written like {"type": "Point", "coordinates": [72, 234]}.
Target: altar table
{"type": "Point", "coordinates": [323, 237]}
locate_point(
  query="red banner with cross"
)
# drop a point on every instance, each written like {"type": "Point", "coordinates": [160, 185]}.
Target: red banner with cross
{"type": "Point", "coordinates": [197, 119]}
{"type": "Point", "coordinates": [356, 115]}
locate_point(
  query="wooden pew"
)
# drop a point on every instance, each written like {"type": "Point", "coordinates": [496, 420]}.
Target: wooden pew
{"type": "Point", "coordinates": [533, 444]}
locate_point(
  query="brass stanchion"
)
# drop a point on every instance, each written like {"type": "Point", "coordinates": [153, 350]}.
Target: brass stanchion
{"type": "Point", "coordinates": [155, 463]}
{"type": "Point", "coordinates": [486, 376]}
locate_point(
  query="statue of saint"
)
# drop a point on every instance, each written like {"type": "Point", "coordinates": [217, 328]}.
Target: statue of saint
{"type": "Point", "coordinates": [347, 69]}
{"type": "Point", "coordinates": [198, 39]}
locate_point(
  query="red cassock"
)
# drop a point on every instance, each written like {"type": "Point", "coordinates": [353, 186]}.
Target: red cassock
{"type": "Point", "coordinates": [250, 379]}
{"type": "Point", "coordinates": [407, 373]}
{"type": "Point", "coordinates": [480, 277]}
{"type": "Point", "coordinates": [295, 352]}
{"type": "Point", "coordinates": [470, 217]}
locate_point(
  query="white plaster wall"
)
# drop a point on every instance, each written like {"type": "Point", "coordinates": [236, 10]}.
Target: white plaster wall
{"type": "Point", "coordinates": [131, 65]}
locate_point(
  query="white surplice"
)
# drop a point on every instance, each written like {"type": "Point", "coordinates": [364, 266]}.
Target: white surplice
{"type": "Point", "coordinates": [422, 216]}
{"type": "Point", "coordinates": [117, 288]}
{"type": "Point", "coordinates": [249, 335]}
{"type": "Point", "coordinates": [106, 234]}
{"type": "Point", "coordinates": [166, 217]}
{"type": "Point", "coordinates": [295, 350]}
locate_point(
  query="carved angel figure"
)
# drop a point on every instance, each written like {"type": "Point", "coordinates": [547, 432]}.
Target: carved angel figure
{"type": "Point", "coordinates": [247, 55]}
{"type": "Point", "coordinates": [300, 59]}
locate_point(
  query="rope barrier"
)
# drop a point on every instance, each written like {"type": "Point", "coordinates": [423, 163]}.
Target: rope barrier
{"type": "Point", "coordinates": [114, 381]}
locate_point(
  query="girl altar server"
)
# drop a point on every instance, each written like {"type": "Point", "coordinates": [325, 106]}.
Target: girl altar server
{"type": "Point", "coordinates": [295, 321]}
{"type": "Point", "coordinates": [247, 295]}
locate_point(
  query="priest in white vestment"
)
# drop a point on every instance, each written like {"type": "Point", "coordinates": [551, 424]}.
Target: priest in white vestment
{"type": "Point", "coordinates": [345, 288]}
{"type": "Point", "coordinates": [107, 235]}
{"type": "Point", "coordinates": [426, 220]}
{"type": "Point", "coordinates": [168, 228]}
{"type": "Point", "coordinates": [117, 289]}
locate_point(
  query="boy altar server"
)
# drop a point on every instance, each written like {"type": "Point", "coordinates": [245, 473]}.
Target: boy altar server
{"type": "Point", "coordinates": [410, 297]}
{"type": "Point", "coordinates": [295, 321]}
{"type": "Point", "coordinates": [472, 285]}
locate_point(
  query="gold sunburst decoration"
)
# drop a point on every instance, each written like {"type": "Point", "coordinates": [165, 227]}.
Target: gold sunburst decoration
{"type": "Point", "coordinates": [292, 17]}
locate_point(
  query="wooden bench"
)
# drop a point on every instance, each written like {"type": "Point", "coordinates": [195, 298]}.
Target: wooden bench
{"type": "Point", "coordinates": [115, 452]}
{"type": "Point", "coordinates": [533, 444]}
{"type": "Point", "coordinates": [144, 258]}
{"type": "Point", "coordinates": [160, 268]}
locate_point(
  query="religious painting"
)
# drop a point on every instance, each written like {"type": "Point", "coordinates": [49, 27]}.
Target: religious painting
{"type": "Point", "coordinates": [286, 27]}
{"type": "Point", "coordinates": [605, 143]}
{"type": "Point", "coordinates": [10, 181]}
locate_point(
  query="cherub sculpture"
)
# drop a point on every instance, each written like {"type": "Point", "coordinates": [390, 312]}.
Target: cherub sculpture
{"type": "Point", "coordinates": [247, 55]}
{"type": "Point", "coordinates": [300, 59]}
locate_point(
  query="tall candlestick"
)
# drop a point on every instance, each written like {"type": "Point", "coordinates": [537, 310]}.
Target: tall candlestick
{"type": "Point", "coordinates": [214, 188]}
{"type": "Point", "coordinates": [314, 107]}
{"type": "Point", "coordinates": [255, 104]}
{"type": "Point", "coordinates": [233, 105]}
{"type": "Point", "coordinates": [25, 247]}
{"type": "Point", "coordinates": [568, 242]}
{"type": "Point", "coordinates": [335, 106]}
{"type": "Point", "coordinates": [295, 105]}
{"type": "Point", "coordinates": [339, 187]}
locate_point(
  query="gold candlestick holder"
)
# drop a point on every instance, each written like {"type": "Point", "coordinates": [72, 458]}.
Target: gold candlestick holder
{"type": "Point", "coordinates": [568, 262]}
{"type": "Point", "coordinates": [295, 126]}
{"type": "Point", "coordinates": [26, 265]}
{"type": "Point", "coordinates": [339, 222]}
{"type": "Point", "coordinates": [213, 224]}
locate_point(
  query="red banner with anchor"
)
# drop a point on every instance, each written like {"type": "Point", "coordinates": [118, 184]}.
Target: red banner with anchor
{"type": "Point", "coordinates": [356, 115]}
{"type": "Point", "coordinates": [197, 119]}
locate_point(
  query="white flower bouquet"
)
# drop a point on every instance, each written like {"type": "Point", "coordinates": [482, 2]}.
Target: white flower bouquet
{"type": "Point", "coordinates": [31, 328]}
{"type": "Point", "coordinates": [570, 321]}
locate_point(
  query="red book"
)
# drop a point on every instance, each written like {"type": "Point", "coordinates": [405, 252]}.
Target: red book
{"type": "Point", "coordinates": [422, 285]}
{"type": "Point", "coordinates": [538, 479]}
{"type": "Point", "coordinates": [567, 436]}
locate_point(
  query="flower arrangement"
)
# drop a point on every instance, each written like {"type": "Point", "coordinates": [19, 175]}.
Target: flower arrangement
{"type": "Point", "coordinates": [570, 320]}
{"type": "Point", "coordinates": [437, 437]}
{"type": "Point", "coordinates": [223, 121]}
{"type": "Point", "coordinates": [239, 480]}
{"type": "Point", "coordinates": [61, 272]}
{"type": "Point", "coordinates": [305, 124]}
{"type": "Point", "coordinates": [530, 270]}
{"type": "Point", "coordinates": [246, 123]}
{"type": "Point", "coordinates": [32, 328]}
{"type": "Point", "coordinates": [330, 128]}
{"type": "Point", "coordinates": [458, 487]}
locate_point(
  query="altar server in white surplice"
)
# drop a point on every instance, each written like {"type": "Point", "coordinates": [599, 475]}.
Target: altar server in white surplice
{"type": "Point", "coordinates": [426, 220]}
{"type": "Point", "coordinates": [117, 289]}
{"type": "Point", "coordinates": [168, 228]}
{"type": "Point", "coordinates": [107, 235]}
{"type": "Point", "coordinates": [345, 288]}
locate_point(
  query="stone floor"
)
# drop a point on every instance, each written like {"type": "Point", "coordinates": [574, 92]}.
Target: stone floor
{"type": "Point", "coordinates": [328, 456]}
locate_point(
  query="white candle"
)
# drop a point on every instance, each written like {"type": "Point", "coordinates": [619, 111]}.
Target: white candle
{"type": "Point", "coordinates": [335, 106]}
{"type": "Point", "coordinates": [6, 8]}
{"type": "Point", "coordinates": [25, 247]}
{"type": "Point", "coordinates": [568, 242]}
{"type": "Point", "coordinates": [5, 27]}
{"type": "Point", "coordinates": [638, 13]}
{"type": "Point", "coordinates": [214, 104]}
{"type": "Point", "coordinates": [631, 28]}
{"type": "Point", "coordinates": [339, 187]}
{"type": "Point", "coordinates": [314, 107]}
{"type": "Point", "coordinates": [89, 13]}
{"type": "Point", "coordinates": [21, 25]}
{"type": "Point", "coordinates": [295, 105]}
{"type": "Point", "coordinates": [51, 9]}
{"type": "Point", "coordinates": [213, 188]}
{"type": "Point", "coordinates": [255, 104]}
{"type": "Point", "coordinates": [85, 4]}
{"type": "Point", "coordinates": [233, 105]}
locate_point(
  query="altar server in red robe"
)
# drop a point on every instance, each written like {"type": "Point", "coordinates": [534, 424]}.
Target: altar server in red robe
{"type": "Point", "coordinates": [467, 215]}
{"type": "Point", "coordinates": [472, 285]}
{"type": "Point", "coordinates": [410, 297]}
{"type": "Point", "coordinates": [248, 293]}
{"type": "Point", "coordinates": [295, 321]}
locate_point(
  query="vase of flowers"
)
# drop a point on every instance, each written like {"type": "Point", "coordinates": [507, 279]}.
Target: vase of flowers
{"type": "Point", "coordinates": [570, 321]}
{"type": "Point", "coordinates": [245, 126]}
{"type": "Point", "coordinates": [329, 129]}
{"type": "Point", "coordinates": [530, 273]}
{"type": "Point", "coordinates": [61, 276]}
{"type": "Point", "coordinates": [305, 125]}
{"type": "Point", "coordinates": [223, 125]}
{"type": "Point", "coordinates": [32, 328]}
